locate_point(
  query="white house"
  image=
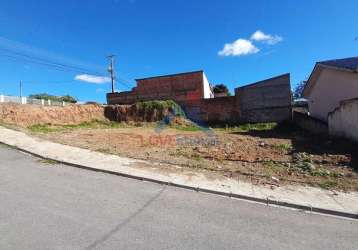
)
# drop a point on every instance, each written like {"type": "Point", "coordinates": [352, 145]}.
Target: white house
{"type": "Point", "coordinates": [330, 83]}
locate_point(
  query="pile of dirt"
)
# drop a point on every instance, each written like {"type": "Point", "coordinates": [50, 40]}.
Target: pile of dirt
{"type": "Point", "coordinates": [27, 115]}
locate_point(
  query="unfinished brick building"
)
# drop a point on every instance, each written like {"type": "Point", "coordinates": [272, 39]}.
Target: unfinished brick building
{"type": "Point", "coordinates": [182, 88]}
{"type": "Point", "coordinates": [265, 101]}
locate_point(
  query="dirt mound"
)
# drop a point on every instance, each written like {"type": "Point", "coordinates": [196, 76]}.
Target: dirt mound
{"type": "Point", "coordinates": [27, 115]}
{"type": "Point", "coordinates": [150, 111]}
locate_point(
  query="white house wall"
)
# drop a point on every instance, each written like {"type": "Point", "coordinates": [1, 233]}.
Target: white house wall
{"type": "Point", "coordinates": [343, 122]}
{"type": "Point", "coordinates": [332, 87]}
{"type": "Point", "coordinates": [207, 90]}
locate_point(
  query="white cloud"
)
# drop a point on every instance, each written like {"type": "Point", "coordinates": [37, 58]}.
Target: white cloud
{"type": "Point", "coordinates": [239, 48]}
{"type": "Point", "coordinates": [267, 38]}
{"type": "Point", "coordinates": [93, 79]}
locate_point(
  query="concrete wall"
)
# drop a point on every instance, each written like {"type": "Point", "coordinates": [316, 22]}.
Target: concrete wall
{"type": "Point", "coordinates": [265, 101]}
{"type": "Point", "coordinates": [343, 121]}
{"type": "Point", "coordinates": [310, 124]}
{"type": "Point", "coordinates": [331, 87]}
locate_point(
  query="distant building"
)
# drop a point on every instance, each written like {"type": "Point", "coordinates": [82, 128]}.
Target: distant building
{"type": "Point", "coordinates": [265, 101]}
{"type": "Point", "coordinates": [182, 88]}
{"type": "Point", "coordinates": [330, 83]}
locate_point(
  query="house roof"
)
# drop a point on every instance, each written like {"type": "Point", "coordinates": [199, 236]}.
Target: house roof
{"type": "Point", "coordinates": [171, 75]}
{"type": "Point", "coordinates": [350, 63]}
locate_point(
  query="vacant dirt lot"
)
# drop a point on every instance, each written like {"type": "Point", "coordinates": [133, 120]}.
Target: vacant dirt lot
{"type": "Point", "coordinates": [262, 153]}
{"type": "Point", "coordinates": [265, 154]}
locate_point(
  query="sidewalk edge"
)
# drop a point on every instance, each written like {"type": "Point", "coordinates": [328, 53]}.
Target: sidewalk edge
{"type": "Point", "coordinates": [204, 190]}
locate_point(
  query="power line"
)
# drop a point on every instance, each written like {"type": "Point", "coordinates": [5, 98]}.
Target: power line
{"type": "Point", "coordinates": [14, 58]}
{"type": "Point", "coordinates": [59, 67]}
{"type": "Point", "coordinates": [46, 62]}
{"type": "Point", "coordinates": [43, 55]}
{"type": "Point", "coordinates": [15, 52]}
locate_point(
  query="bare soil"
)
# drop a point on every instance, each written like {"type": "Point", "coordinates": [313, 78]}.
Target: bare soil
{"type": "Point", "coordinates": [27, 115]}
{"type": "Point", "coordinates": [280, 156]}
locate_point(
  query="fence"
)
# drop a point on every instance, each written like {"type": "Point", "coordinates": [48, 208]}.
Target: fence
{"type": "Point", "coordinates": [25, 100]}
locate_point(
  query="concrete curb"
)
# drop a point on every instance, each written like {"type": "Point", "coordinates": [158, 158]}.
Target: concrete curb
{"type": "Point", "coordinates": [266, 201]}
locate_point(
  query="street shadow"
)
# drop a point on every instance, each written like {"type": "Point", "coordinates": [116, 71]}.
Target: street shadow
{"type": "Point", "coordinates": [121, 225]}
{"type": "Point", "coordinates": [303, 141]}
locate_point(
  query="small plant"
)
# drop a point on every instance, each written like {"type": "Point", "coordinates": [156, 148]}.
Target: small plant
{"type": "Point", "coordinates": [301, 157]}
{"type": "Point", "coordinates": [329, 184]}
{"type": "Point", "coordinates": [197, 156]}
{"type": "Point", "coordinates": [283, 147]}
{"type": "Point", "coordinates": [149, 106]}
{"type": "Point", "coordinates": [104, 150]}
{"type": "Point", "coordinates": [48, 161]}
{"type": "Point", "coordinates": [321, 172]}
{"type": "Point", "coordinates": [303, 162]}
{"type": "Point", "coordinates": [272, 168]}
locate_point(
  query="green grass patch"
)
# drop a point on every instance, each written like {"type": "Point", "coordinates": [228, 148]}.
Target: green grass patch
{"type": "Point", "coordinates": [272, 168]}
{"type": "Point", "coordinates": [187, 128]}
{"type": "Point", "coordinates": [48, 161]}
{"type": "Point", "coordinates": [149, 106]}
{"type": "Point", "coordinates": [329, 184]}
{"type": "Point", "coordinates": [197, 156]}
{"type": "Point", "coordinates": [104, 150]}
{"type": "Point", "coordinates": [48, 128]}
{"type": "Point", "coordinates": [283, 147]}
{"type": "Point", "coordinates": [248, 127]}
{"type": "Point", "coordinates": [43, 128]}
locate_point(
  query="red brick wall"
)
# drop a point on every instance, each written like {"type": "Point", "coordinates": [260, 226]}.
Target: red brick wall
{"type": "Point", "coordinates": [180, 88]}
{"type": "Point", "coordinates": [214, 110]}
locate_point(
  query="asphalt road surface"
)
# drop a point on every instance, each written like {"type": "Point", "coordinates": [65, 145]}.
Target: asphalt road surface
{"type": "Point", "coordinates": [49, 206]}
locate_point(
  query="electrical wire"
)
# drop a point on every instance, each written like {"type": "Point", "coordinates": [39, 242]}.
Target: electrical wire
{"type": "Point", "coordinates": [15, 55]}
{"type": "Point", "coordinates": [58, 66]}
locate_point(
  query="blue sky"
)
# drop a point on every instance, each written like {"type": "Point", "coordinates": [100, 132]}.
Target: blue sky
{"type": "Point", "coordinates": [169, 36]}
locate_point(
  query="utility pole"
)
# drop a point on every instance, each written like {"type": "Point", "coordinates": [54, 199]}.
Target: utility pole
{"type": "Point", "coordinates": [20, 88]}
{"type": "Point", "coordinates": [111, 70]}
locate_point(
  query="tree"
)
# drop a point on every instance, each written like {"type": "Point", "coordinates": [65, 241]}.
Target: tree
{"type": "Point", "coordinates": [221, 89]}
{"type": "Point", "coordinates": [298, 92]}
{"type": "Point", "coordinates": [45, 96]}
{"type": "Point", "coordinates": [68, 98]}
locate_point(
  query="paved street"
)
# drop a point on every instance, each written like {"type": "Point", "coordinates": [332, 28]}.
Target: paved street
{"type": "Point", "coordinates": [48, 206]}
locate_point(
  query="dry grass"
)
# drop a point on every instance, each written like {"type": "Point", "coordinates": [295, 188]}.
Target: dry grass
{"type": "Point", "coordinates": [261, 152]}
